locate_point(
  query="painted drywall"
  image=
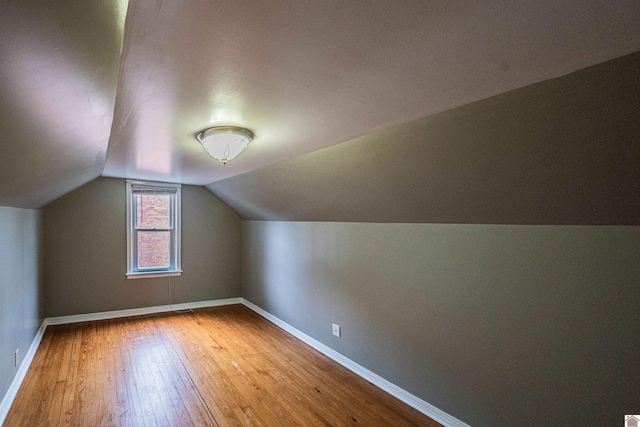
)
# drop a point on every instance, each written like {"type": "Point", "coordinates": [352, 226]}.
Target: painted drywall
{"type": "Point", "coordinates": [21, 286]}
{"type": "Point", "coordinates": [564, 151]}
{"type": "Point", "coordinates": [489, 323]}
{"type": "Point", "coordinates": [59, 77]}
{"type": "Point", "coordinates": [86, 252]}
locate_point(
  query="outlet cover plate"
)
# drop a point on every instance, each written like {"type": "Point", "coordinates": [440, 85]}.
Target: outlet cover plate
{"type": "Point", "coordinates": [336, 330]}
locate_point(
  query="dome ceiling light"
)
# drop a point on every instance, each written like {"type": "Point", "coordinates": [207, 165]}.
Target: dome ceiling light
{"type": "Point", "coordinates": [225, 142]}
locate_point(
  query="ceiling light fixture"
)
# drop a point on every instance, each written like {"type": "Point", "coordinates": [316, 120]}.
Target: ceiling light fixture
{"type": "Point", "coordinates": [225, 142]}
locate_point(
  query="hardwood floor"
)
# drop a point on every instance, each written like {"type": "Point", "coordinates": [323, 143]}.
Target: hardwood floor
{"type": "Point", "coordinates": [222, 366]}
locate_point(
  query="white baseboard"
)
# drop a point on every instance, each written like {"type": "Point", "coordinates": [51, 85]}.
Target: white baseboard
{"type": "Point", "coordinates": [61, 320]}
{"type": "Point", "coordinates": [401, 394]}
{"type": "Point", "coordinates": [22, 371]}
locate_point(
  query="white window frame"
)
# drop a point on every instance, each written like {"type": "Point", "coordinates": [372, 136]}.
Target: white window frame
{"type": "Point", "coordinates": [133, 272]}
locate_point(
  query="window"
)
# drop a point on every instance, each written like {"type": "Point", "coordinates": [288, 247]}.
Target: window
{"type": "Point", "coordinates": [153, 229]}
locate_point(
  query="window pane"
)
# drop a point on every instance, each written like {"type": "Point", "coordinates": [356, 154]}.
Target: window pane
{"type": "Point", "coordinates": [153, 211]}
{"type": "Point", "coordinates": [154, 248]}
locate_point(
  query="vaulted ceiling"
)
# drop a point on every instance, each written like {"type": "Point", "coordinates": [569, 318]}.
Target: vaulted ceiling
{"type": "Point", "coordinates": [407, 111]}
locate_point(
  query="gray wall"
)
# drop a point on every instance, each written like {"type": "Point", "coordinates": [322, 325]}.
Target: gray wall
{"type": "Point", "coordinates": [490, 323]}
{"type": "Point", "coordinates": [21, 294]}
{"type": "Point", "coordinates": [86, 252]}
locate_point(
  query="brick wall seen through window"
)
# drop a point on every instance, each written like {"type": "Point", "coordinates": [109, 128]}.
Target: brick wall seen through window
{"type": "Point", "coordinates": [154, 247]}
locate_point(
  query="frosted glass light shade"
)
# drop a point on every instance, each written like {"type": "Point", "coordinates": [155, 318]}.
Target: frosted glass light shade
{"type": "Point", "coordinates": [225, 142]}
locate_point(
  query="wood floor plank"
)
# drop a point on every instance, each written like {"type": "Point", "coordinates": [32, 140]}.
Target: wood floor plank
{"type": "Point", "coordinates": [208, 375]}
{"type": "Point", "coordinates": [142, 364]}
{"type": "Point", "coordinates": [124, 410]}
{"type": "Point", "coordinates": [70, 370]}
{"type": "Point", "coordinates": [135, 408]}
{"type": "Point", "coordinates": [93, 395]}
{"type": "Point", "coordinates": [222, 366]}
{"type": "Point", "coordinates": [173, 368]}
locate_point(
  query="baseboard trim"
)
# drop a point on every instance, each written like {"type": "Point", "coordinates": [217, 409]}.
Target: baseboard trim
{"type": "Point", "coordinates": [61, 320]}
{"type": "Point", "coordinates": [399, 393]}
{"type": "Point", "coordinates": [22, 371]}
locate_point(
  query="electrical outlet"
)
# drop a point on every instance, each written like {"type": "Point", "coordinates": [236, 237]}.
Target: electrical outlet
{"type": "Point", "coordinates": [336, 330]}
{"type": "Point", "coordinates": [16, 357]}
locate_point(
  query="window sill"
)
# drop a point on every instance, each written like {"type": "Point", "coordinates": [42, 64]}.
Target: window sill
{"type": "Point", "coordinates": [154, 274]}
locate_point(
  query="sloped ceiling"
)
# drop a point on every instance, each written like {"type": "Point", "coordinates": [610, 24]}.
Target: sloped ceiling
{"type": "Point", "coordinates": [58, 78]}
{"type": "Point", "coordinates": [302, 75]}
{"type": "Point", "coordinates": [565, 151]}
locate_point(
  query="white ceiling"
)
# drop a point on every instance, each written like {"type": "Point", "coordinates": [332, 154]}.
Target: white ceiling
{"type": "Point", "coordinates": [301, 75]}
